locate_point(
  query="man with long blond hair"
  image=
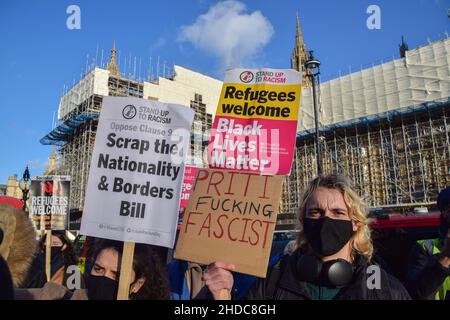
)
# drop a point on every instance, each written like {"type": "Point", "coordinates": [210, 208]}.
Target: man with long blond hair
{"type": "Point", "coordinates": [334, 251]}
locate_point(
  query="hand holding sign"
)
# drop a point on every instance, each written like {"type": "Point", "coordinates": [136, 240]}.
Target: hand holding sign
{"type": "Point", "coordinates": [218, 278]}
{"type": "Point", "coordinates": [230, 217]}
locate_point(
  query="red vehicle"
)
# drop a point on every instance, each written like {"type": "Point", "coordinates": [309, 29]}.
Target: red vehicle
{"type": "Point", "coordinates": [409, 222]}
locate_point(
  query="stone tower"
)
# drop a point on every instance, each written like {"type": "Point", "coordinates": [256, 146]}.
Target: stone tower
{"type": "Point", "coordinates": [299, 55]}
{"type": "Point", "coordinates": [52, 164]}
{"type": "Point", "coordinates": [112, 65]}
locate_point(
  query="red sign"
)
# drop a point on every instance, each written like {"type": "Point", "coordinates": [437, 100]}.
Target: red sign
{"type": "Point", "coordinates": [188, 182]}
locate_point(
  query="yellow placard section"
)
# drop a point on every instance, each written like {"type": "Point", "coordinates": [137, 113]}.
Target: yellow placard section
{"type": "Point", "coordinates": [264, 101]}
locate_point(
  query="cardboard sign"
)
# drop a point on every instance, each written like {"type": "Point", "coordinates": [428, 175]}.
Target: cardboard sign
{"type": "Point", "coordinates": [49, 202]}
{"type": "Point", "coordinates": [188, 183]}
{"type": "Point", "coordinates": [256, 121]}
{"type": "Point", "coordinates": [134, 184]}
{"type": "Point", "coordinates": [230, 217]}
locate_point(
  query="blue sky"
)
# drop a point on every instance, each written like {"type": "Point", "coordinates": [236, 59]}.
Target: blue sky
{"type": "Point", "coordinates": [39, 54]}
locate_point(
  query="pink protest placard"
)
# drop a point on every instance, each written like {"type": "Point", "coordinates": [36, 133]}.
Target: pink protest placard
{"type": "Point", "coordinates": [256, 121]}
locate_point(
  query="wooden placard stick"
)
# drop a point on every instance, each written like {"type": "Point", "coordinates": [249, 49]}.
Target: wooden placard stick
{"type": "Point", "coordinates": [48, 254]}
{"type": "Point", "coordinates": [224, 294]}
{"type": "Point", "coordinates": [126, 270]}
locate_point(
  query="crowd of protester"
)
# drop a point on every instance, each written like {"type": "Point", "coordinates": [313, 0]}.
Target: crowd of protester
{"type": "Point", "coordinates": [330, 260]}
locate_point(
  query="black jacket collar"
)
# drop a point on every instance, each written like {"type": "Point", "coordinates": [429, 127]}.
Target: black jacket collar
{"type": "Point", "coordinates": [289, 281]}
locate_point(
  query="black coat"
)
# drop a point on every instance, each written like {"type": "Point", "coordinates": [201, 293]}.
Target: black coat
{"type": "Point", "coordinates": [6, 282]}
{"type": "Point", "coordinates": [281, 283]}
{"type": "Point", "coordinates": [425, 274]}
{"type": "Point", "coordinates": [36, 277]}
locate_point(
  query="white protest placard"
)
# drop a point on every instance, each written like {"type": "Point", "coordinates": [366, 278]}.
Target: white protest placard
{"type": "Point", "coordinates": [136, 172]}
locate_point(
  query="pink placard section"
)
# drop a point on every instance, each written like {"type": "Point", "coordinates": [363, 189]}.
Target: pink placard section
{"type": "Point", "coordinates": [252, 145]}
{"type": "Point", "coordinates": [188, 183]}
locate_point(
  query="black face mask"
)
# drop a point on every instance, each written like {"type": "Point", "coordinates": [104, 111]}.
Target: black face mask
{"type": "Point", "coordinates": [56, 253]}
{"type": "Point", "coordinates": [101, 288]}
{"type": "Point", "coordinates": [56, 259]}
{"type": "Point", "coordinates": [334, 273]}
{"type": "Point", "coordinates": [327, 236]}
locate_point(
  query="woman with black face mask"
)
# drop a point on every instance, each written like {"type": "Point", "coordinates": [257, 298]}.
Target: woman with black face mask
{"type": "Point", "coordinates": [334, 249]}
{"type": "Point", "coordinates": [149, 280]}
{"type": "Point", "coordinates": [62, 257]}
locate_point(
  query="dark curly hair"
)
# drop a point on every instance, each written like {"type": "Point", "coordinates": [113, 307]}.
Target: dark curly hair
{"type": "Point", "coordinates": [148, 264]}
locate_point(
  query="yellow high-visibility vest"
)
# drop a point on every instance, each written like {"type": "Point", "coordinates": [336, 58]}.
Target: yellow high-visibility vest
{"type": "Point", "coordinates": [444, 289]}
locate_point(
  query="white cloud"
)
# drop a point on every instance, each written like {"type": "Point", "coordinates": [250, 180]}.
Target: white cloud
{"type": "Point", "coordinates": [228, 32]}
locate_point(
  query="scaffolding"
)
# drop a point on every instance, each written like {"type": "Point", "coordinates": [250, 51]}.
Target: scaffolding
{"type": "Point", "coordinates": [76, 151]}
{"type": "Point", "coordinates": [201, 127]}
{"type": "Point", "coordinates": [386, 127]}
{"type": "Point", "coordinates": [397, 158]}
{"type": "Point", "coordinates": [78, 115]}
{"type": "Point", "coordinates": [422, 75]}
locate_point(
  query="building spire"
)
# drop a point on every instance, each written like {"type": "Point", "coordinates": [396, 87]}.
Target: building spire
{"type": "Point", "coordinates": [299, 55]}
{"type": "Point", "coordinates": [112, 65]}
{"type": "Point", "coordinates": [403, 47]}
{"type": "Point", "coordinates": [298, 31]}
{"type": "Point", "coordinates": [52, 164]}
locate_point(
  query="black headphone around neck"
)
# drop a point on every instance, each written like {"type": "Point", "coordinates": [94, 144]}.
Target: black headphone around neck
{"type": "Point", "coordinates": [334, 273]}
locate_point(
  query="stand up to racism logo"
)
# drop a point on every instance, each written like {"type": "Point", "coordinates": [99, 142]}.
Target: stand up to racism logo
{"type": "Point", "coordinates": [129, 112]}
{"type": "Point", "coordinates": [247, 76]}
